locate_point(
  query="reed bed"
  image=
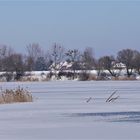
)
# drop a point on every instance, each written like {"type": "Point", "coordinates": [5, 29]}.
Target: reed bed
{"type": "Point", "coordinates": [15, 95]}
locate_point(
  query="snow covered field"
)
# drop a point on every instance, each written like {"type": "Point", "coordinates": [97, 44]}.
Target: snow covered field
{"type": "Point", "coordinates": [60, 111]}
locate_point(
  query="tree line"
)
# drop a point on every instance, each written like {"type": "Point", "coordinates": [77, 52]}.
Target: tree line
{"type": "Point", "coordinates": [38, 59]}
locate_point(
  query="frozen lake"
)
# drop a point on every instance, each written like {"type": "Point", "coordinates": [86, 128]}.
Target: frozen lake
{"type": "Point", "coordinates": [60, 111]}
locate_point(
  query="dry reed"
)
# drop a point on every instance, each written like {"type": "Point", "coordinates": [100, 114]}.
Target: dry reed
{"type": "Point", "coordinates": [15, 95]}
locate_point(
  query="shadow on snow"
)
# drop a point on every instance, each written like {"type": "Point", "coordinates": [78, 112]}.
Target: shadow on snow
{"type": "Point", "coordinates": [112, 116]}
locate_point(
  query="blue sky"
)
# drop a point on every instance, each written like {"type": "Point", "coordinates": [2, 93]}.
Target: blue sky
{"type": "Point", "coordinates": [106, 26]}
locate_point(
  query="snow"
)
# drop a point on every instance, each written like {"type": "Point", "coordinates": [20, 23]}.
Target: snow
{"type": "Point", "coordinates": [60, 111]}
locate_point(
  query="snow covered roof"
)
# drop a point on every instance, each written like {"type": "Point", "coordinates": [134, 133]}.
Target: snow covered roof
{"type": "Point", "coordinates": [61, 65]}
{"type": "Point", "coordinates": [119, 65]}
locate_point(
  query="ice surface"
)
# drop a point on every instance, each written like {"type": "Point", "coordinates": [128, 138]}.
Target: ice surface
{"type": "Point", "coordinates": [60, 111]}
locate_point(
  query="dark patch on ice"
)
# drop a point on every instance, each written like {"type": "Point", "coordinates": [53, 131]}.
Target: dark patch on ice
{"type": "Point", "coordinates": [105, 114]}
{"type": "Point", "coordinates": [131, 116]}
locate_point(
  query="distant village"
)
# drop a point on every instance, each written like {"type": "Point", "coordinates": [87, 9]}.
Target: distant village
{"type": "Point", "coordinates": [59, 63]}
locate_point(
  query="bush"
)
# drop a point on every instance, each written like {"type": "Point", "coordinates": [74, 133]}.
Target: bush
{"type": "Point", "coordinates": [8, 75]}
{"type": "Point", "coordinates": [84, 76]}
{"type": "Point", "coordinates": [15, 95]}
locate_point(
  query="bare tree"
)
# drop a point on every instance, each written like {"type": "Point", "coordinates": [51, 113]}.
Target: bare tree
{"type": "Point", "coordinates": [88, 59]}
{"type": "Point", "coordinates": [48, 59]}
{"type": "Point", "coordinates": [57, 54]}
{"type": "Point", "coordinates": [74, 57]}
{"type": "Point", "coordinates": [34, 52]}
{"type": "Point", "coordinates": [3, 50]}
{"type": "Point", "coordinates": [40, 64]}
{"type": "Point", "coordinates": [4, 53]}
{"type": "Point", "coordinates": [98, 68]}
{"type": "Point", "coordinates": [136, 62]}
{"type": "Point", "coordinates": [127, 57]}
{"type": "Point", "coordinates": [106, 62]}
{"type": "Point", "coordinates": [14, 63]}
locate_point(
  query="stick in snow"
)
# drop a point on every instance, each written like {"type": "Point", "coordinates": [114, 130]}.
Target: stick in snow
{"type": "Point", "coordinates": [108, 99]}
{"type": "Point", "coordinates": [88, 99]}
{"type": "Point", "coordinates": [113, 99]}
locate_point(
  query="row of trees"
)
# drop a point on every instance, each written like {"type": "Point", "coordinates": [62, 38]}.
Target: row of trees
{"type": "Point", "coordinates": [37, 59]}
{"type": "Point", "coordinates": [129, 57]}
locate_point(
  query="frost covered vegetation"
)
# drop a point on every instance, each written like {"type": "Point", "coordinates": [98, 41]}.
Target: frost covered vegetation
{"type": "Point", "coordinates": [15, 95]}
{"type": "Point", "coordinates": [61, 63]}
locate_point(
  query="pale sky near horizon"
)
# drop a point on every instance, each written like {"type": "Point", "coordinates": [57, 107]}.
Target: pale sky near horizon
{"type": "Point", "coordinates": [105, 25]}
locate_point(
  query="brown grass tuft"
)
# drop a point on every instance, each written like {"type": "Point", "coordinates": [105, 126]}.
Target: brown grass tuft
{"type": "Point", "coordinates": [15, 95]}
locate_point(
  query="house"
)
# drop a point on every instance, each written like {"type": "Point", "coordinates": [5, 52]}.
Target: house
{"type": "Point", "coordinates": [61, 66]}
{"type": "Point", "coordinates": [119, 66]}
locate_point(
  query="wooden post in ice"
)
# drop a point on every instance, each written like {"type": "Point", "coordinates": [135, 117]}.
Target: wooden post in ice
{"type": "Point", "coordinates": [110, 97]}
{"type": "Point", "coordinates": [88, 99]}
